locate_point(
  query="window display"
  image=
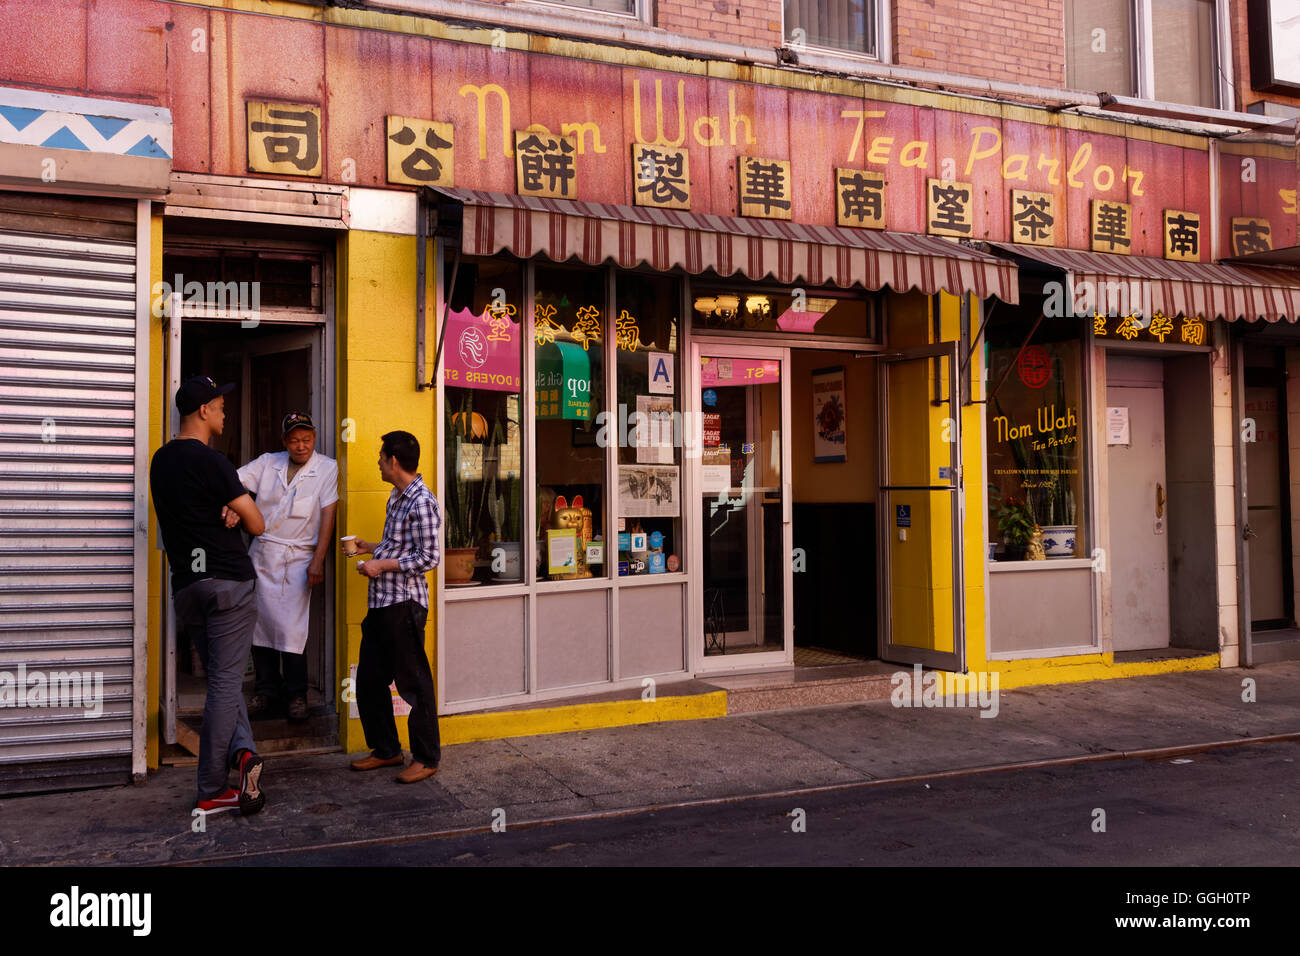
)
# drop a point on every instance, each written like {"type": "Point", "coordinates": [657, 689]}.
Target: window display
{"type": "Point", "coordinates": [570, 326]}
{"type": "Point", "coordinates": [482, 502]}
{"type": "Point", "coordinates": [650, 459]}
{"type": "Point", "coordinates": [1036, 429]}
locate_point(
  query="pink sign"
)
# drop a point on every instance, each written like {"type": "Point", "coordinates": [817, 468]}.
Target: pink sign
{"type": "Point", "coordinates": [718, 372]}
{"type": "Point", "coordinates": [482, 351]}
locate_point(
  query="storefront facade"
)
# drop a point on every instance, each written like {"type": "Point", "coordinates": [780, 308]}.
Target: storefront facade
{"type": "Point", "coordinates": [709, 362]}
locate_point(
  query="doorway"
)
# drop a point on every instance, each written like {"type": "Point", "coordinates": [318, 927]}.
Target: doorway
{"type": "Point", "coordinates": [1160, 469]}
{"type": "Point", "coordinates": [276, 368]}
{"type": "Point", "coordinates": [833, 454]}
{"type": "Point", "coordinates": [743, 489]}
{"type": "Point", "coordinates": [1268, 499]}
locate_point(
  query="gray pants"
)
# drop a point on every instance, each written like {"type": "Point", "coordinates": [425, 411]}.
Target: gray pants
{"type": "Point", "coordinates": [219, 616]}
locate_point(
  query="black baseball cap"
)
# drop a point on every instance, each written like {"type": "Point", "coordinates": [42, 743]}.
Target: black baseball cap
{"type": "Point", "coordinates": [296, 420]}
{"type": "Point", "coordinates": [197, 391]}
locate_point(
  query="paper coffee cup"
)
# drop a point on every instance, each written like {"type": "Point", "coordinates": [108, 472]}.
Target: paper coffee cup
{"type": "Point", "coordinates": [350, 545]}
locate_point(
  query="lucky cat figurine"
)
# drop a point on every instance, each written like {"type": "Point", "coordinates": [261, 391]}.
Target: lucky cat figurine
{"type": "Point", "coordinates": [579, 518]}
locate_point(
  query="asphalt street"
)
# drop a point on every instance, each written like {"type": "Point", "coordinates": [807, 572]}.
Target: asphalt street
{"type": "Point", "coordinates": [1236, 806]}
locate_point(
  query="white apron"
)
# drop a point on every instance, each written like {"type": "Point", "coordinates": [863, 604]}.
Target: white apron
{"type": "Point", "coordinates": [283, 598]}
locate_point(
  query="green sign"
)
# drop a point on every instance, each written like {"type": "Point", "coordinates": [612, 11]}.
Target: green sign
{"type": "Point", "coordinates": [563, 382]}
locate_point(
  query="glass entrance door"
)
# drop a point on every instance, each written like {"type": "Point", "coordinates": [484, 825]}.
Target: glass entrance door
{"type": "Point", "coordinates": [743, 494]}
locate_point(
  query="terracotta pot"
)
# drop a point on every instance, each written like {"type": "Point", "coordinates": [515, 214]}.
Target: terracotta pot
{"type": "Point", "coordinates": [458, 565]}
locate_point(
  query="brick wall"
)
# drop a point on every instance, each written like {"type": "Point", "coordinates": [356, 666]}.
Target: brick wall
{"type": "Point", "coordinates": [1014, 41]}
{"type": "Point", "coordinates": [1246, 94]}
{"type": "Point", "coordinates": [753, 23]}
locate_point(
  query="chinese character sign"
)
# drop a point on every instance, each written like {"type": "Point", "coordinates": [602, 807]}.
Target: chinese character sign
{"type": "Point", "coordinates": [1033, 218]}
{"type": "Point", "coordinates": [1112, 226]}
{"type": "Point", "coordinates": [1161, 328]}
{"type": "Point", "coordinates": [764, 187]}
{"type": "Point", "coordinates": [1182, 235]}
{"type": "Point", "coordinates": [544, 165]}
{"type": "Point", "coordinates": [419, 152]}
{"type": "Point", "coordinates": [661, 176]}
{"type": "Point", "coordinates": [948, 208]}
{"type": "Point", "coordinates": [284, 139]}
{"type": "Point", "coordinates": [859, 198]}
{"type": "Point", "coordinates": [1251, 235]}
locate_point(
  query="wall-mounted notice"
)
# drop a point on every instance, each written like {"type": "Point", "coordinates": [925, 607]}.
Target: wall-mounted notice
{"type": "Point", "coordinates": [1117, 428]}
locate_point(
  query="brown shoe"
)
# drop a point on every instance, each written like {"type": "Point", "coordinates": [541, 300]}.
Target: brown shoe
{"type": "Point", "coordinates": [374, 763]}
{"type": "Point", "coordinates": [416, 772]}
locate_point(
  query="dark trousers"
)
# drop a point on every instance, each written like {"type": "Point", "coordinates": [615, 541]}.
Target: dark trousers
{"type": "Point", "coordinates": [269, 683]}
{"type": "Point", "coordinates": [219, 617]}
{"type": "Point", "coordinates": [392, 649]}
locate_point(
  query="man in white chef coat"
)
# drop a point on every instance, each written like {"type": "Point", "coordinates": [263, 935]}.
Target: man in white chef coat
{"type": "Point", "coordinates": [297, 492]}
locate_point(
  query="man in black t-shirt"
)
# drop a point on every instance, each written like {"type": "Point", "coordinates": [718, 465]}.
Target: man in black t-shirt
{"type": "Point", "coordinates": [197, 496]}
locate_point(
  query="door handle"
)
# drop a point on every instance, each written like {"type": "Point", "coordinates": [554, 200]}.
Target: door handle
{"type": "Point", "coordinates": [1160, 500]}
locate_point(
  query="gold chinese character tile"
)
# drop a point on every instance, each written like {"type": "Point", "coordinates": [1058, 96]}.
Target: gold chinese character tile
{"type": "Point", "coordinates": [419, 152]}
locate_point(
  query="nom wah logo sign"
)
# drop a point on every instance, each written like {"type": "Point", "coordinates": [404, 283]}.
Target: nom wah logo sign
{"type": "Point", "coordinates": [1034, 366]}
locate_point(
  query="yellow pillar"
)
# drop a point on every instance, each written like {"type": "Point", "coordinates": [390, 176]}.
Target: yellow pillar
{"type": "Point", "coordinates": [376, 389]}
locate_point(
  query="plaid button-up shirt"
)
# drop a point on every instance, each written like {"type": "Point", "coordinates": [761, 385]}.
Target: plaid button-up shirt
{"type": "Point", "coordinates": [412, 529]}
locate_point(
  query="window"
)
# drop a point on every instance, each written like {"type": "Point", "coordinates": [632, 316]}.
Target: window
{"type": "Point", "coordinates": [630, 8]}
{"type": "Point", "coordinates": [1153, 49]}
{"type": "Point", "coordinates": [846, 25]}
{"type": "Point", "coordinates": [819, 312]}
{"type": "Point", "coordinates": [1035, 435]}
{"type": "Point", "coordinates": [482, 501]}
{"type": "Point", "coordinates": [649, 395]}
{"type": "Point", "coordinates": [570, 329]}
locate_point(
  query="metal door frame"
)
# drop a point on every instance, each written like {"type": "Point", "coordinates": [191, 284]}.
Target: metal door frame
{"type": "Point", "coordinates": [699, 663]}
{"type": "Point", "coordinates": [887, 649]}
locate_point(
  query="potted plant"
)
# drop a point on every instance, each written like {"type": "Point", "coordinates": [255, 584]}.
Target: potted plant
{"type": "Point", "coordinates": [1019, 530]}
{"type": "Point", "coordinates": [464, 505]}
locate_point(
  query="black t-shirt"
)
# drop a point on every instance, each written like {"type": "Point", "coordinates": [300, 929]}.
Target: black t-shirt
{"type": "Point", "coordinates": [190, 483]}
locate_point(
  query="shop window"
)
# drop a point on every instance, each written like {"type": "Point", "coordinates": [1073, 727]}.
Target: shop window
{"type": "Point", "coordinates": [482, 421]}
{"type": "Point", "coordinates": [1154, 49]}
{"type": "Point", "coordinates": [843, 25]}
{"type": "Point", "coordinates": [570, 328]}
{"type": "Point", "coordinates": [649, 387]}
{"type": "Point", "coordinates": [1035, 433]}
{"type": "Point", "coordinates": [795, 311]}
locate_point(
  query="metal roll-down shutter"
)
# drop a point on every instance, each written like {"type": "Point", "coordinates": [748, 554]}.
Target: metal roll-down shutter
{"type": "Point", "coordinates": [67, 486]}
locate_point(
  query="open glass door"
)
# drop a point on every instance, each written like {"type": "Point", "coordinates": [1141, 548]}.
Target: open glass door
{"type": "Point", "coordinates": [919, 517]}
{"type": "Point", "coordinates": [743, 490]}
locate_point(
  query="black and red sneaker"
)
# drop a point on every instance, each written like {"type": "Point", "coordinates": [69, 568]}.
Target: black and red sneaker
{"type": "Point", "coordinates": [229, 800]}
{"type": "Point", "coordinates": [251, 797]}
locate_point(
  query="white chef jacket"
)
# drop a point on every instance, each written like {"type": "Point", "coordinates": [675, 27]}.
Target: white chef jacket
{"type": "Point", "coordinates": [283, 552]}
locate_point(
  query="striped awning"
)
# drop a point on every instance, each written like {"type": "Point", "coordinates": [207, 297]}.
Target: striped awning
{"type": "Point", "coordinates": [1123, 284]}
{"type": "Point", "coordinates": [756, 248]}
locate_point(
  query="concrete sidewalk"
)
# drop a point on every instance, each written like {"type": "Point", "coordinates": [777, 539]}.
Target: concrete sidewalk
{"type": "Point", "coordinates": [314, 800]}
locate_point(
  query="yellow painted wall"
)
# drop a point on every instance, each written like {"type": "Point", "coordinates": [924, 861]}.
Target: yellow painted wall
{"type": "Point", "coordinates": [853, 480]}
{"type": "Point", "coordinates": [376, 393]}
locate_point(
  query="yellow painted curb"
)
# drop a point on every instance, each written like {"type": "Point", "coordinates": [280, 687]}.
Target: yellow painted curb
{"type": "Point", "coordinates": [468, 728]}
{"type": "Point", "coordinates": [1062, 673]}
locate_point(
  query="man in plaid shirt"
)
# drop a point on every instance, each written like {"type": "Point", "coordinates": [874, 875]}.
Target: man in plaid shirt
{"type": "Point", "coordinates": [392, 634]}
